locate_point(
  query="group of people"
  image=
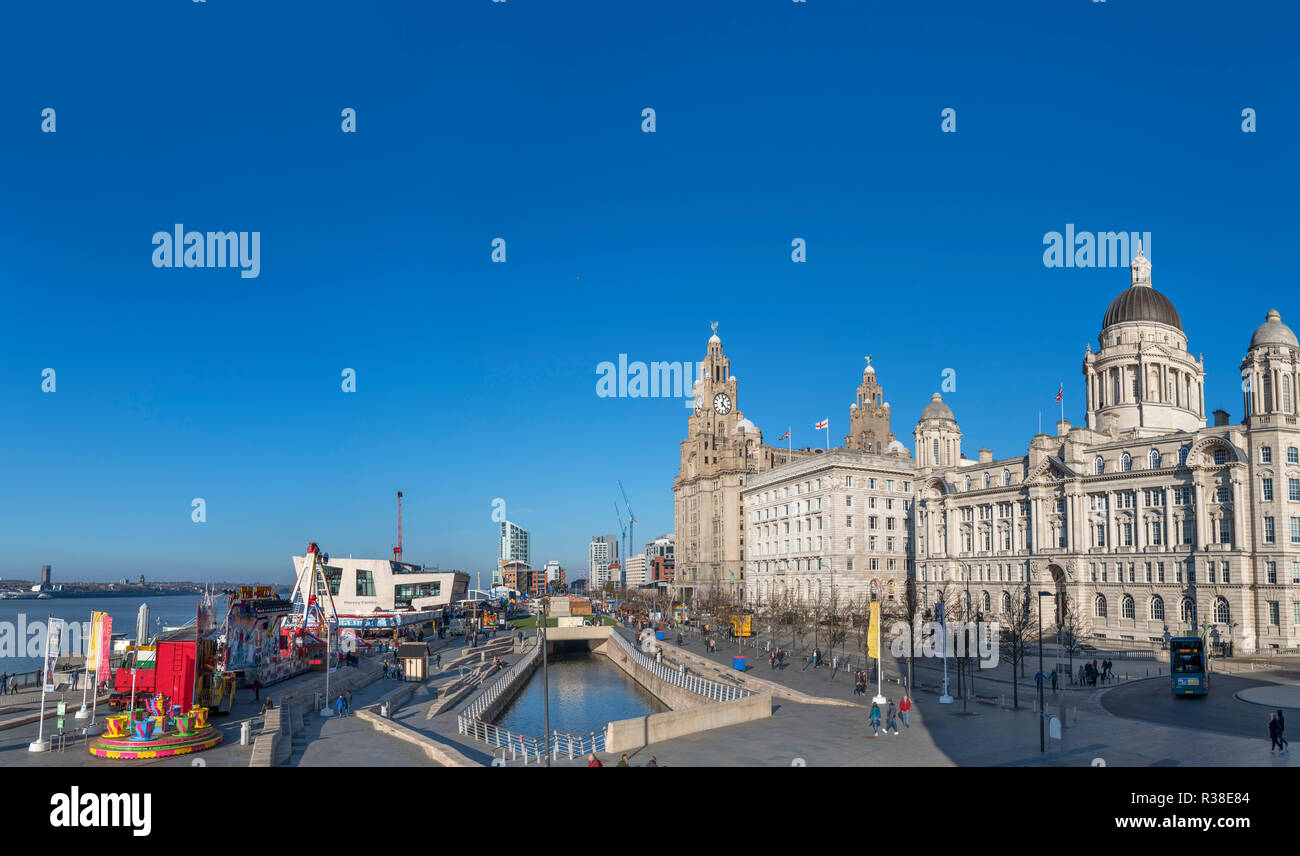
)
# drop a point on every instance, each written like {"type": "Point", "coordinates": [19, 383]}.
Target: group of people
{"type": "Point", "coordinates": [859, 682]}
{"type": "Point", "coordinates": [8, 683]}
{"type": "Point", "coordinates": [1091, 673]}
{"type": "Point", "coordinates": [776, 657]}
{"type": "Point", "coordinates": [344, 703]}
{"type": "Point", "coordinates": [892, 713]}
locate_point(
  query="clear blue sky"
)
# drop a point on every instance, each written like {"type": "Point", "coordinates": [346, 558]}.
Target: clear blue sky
{"type": "Point", "coordinates": [522, 120]}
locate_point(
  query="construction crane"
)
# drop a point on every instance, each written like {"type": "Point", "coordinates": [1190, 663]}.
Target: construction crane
{"type": "Point", "coordinates": [397, 551]}
{"type": "Point", "coordinates": [631, 525]}
{"type": "Point", "coordinates": [622, 531]}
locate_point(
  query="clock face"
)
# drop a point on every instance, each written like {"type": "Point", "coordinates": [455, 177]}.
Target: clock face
{"type": "Point", "coordinates": [722, 403]}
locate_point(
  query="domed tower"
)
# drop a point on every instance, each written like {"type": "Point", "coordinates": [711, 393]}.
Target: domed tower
{"type": "Point", "coordinates": [1270, 369]}
{"type": "Point", "coordinates": [1142, 379]}
{"type": "Point", "coordinates": [938, 439]}
{"type": "Point", "coordinates": [869, 417]}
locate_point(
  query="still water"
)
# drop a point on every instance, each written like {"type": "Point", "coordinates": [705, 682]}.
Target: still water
{"type": "Point", "coordinates": [173, 610]}
{"type": "Point", "coordinates": [587, 693]}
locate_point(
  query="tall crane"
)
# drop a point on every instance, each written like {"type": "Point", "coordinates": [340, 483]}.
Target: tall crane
{"type": "Point", "coordinates": [622, 530]}
{"type": "Point", "coordinates": [397, 551]}
{"type": "Point", "coordinates": [631, 525]}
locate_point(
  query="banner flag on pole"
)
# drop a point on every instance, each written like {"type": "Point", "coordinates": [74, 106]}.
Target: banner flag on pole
{"type": "Point", "coordinates": [105, 644]}
{"type": "Point", "coordinates": [825, 423]}
{"type": "Point", "coordinates": [53, 642]}
{"type": "Point", "coordinates": [873, 639]}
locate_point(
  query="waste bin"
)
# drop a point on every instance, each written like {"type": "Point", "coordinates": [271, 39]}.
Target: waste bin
{"type": "Point", "coordinates": [738, 663]}
{"type": "Point", "coordinates": [659, 634]}
{"type": "Point", "coordinates": [245, 733]}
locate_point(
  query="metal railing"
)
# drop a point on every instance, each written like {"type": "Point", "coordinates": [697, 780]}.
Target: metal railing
{"type": "Point", "coordinates": [709, 689]}
{"type": "Point", "coordinates": [493, 692]}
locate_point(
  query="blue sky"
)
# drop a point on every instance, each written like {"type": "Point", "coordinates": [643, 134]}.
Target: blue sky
{"type": "Point", "coordinates": [522, 120]}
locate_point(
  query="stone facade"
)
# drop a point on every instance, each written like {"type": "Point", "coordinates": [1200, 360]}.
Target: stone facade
{"type": "Point", "coordinates": [1145, 519]}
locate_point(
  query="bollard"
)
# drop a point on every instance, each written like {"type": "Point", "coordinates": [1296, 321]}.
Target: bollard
{"type": "Point", "coordinates": [1004, 700]}
{"type": "Point", "coordinates": [383, 710]}
{"type": "Point", "coordinates": [245, 733]}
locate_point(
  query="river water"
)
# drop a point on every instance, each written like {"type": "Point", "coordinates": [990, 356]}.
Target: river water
{"type": "Point", "coordinates": [587, 693]}
{"type": "Point", "coordinates": [29, 617]}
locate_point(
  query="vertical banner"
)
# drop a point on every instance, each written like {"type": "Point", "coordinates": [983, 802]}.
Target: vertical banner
{"type": "Point", "coordinates": [105, 645]}
{"type": "Point", "coordinates": [53, 642]}
{"type": "Point", "coordinates": [93, 643]}
{"type": "Point", "coordinates": [873, 631]}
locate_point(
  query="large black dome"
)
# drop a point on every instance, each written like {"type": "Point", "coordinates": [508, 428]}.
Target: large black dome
{"type": "Point", "coordinates": [1141, 303]}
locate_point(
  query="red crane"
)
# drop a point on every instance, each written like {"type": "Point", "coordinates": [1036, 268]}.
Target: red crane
{"type": "Point", "coordinates": [397, 551]}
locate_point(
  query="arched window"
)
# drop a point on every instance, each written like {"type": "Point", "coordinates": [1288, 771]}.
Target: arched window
{"type": "Point", "coordinates": [1153, 459]}
{"type": "Point", "coordinates": [1222, 614]}
{"type": "Point", "coordinates": [1126, 609]}
{"type": "Point", "coordinates": [1099, 465]}
{"type": "Point", "coordinates": [1125, 462]}
{"type": "Point", "coordinates": [986, 480]}
{"type": "Point", "coordinates": [1006, 603]}
{"type": "Point", "coordinates": [1182, 455]}
{"type": "Point", "coordinates": [1187, 611]}
{"type": "Point", "coordinates": [1099, 606]}
{"type": "Point", "coordinates": [1268, 391]}
{"type": "Point", "coordinates": [1157, 608]}
{"type": "Point", "coordinates": [1006, 477]}
{"type": "Point", "coordinates": [988, 603]}
{"type": "Point", "coordinates": [967, 482]}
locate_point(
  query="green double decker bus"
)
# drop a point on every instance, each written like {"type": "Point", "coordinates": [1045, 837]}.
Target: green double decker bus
{"type": "Point", "coordinates": [1188, 671]}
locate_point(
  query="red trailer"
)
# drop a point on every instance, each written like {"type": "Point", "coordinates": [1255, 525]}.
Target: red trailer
{"type": "Point", "coordinates": [166, 667]}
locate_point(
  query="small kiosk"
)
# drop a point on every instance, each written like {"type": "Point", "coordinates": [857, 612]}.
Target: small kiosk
{"type": "Point", "coordinates": [414, 658]}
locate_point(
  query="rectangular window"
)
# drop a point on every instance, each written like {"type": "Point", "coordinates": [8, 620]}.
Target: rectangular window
{"type": "Point", "coordinates": [1273, 610]}
{"type": "Point", "coordinates": [1269, 535]}
{"type": "Point", "coordinates": [1295, 613]}
{"type": "Point", "coordinates": [1266, 455]}
{"type": "Point", "coordinates": [849, 564]}
{"type": "Point", "coordinates": [1225, 531]}
{"type": "Point", "coordinates": [1295, 572]}
{"type": "Point", "coordinates": [848, 481]}
{"type": "Point", "coordinates": [848, 521]}
{"type": "Point", "coordinates": [1227, 573]}
{"type": "Point", "coordinates": [1270, 570]}
{"type": "Point", "coordinates": [848, 500]}
{"type": "Point", "coordinates": [1160, 572]}
{"type": "Point", "coordinates": [333, 578]}
{"type": "Point", "coordinates": [1267, 486]}
{"type": "Point", "coordinates": [365, 584]}
{"type": "Point", "coordinates": [1293, 490]}
{"type": "Point", "coordinates": [1295, 530]}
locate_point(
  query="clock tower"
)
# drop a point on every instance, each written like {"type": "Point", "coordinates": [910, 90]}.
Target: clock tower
{"type": "Point", "coordinates": [869, 417]}
{"type": "Point", "coordinates": [718, 450]}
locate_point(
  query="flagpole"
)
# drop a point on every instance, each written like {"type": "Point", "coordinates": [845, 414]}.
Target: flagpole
{"type": "Point", "coordinates": [1062, 401]}
{"type": "Point", "coordinates": [39, 745]}
{"type": "Point", "coordinates": [83, 713]}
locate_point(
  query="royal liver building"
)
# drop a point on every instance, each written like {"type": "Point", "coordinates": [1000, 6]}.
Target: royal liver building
{"type": "Point", "coordinates": [1146, 518]}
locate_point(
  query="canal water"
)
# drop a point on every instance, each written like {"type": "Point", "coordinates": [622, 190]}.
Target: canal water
{"type": "Point", "coordinates": [587, 693]}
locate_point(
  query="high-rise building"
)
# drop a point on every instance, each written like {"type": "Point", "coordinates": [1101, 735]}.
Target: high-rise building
{"type": "Point", "coordinates": [661, 546]}
{"type": "Point", "coordinates": [635, 574]}
{"type": "Point", "coordinates": [515, 547]}
{"type": "Point", "coordinates": [601, 553]}
{"type": "Point", "coordinates": [554, 574]}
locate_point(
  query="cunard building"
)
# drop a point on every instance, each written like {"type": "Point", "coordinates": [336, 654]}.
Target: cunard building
{"type": "Point", "coordinates": [1152, 515]}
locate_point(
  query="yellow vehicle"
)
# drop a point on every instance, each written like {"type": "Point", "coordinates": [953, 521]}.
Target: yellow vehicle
{"type": "Point", "coordinates": [742, 623]}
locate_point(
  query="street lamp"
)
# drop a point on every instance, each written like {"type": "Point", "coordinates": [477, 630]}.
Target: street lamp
{"type": "Point", "coordinates": [1042, 735]}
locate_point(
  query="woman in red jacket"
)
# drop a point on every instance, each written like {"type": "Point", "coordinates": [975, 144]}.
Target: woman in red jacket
{"type": "Point", "coordinates": [905, 708]}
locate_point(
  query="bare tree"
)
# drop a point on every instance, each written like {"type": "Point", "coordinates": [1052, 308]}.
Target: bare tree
{"type": "Point", "coordinates": [906, 609]}
{"type": "Point", "coordinates": [1016, 636]}
{"type": "Point", "coordinates": [1070, 630]}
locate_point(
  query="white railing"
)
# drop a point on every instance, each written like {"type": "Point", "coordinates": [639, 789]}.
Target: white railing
{"type": "Point", "coordinates": [709, 689]}
{"type": "Point", "coordinates": [493, 692]}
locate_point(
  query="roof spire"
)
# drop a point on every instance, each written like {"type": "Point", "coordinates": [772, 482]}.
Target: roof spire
{"type": "Point", "coordinates": [1140, 267]}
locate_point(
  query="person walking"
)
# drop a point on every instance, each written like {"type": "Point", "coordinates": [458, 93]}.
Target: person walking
{"type": "Point", "coordinates": [904, 709]}
{"type": "Point", "coordinates": [1273, 734]}
{"type": "Point", "coordinates": [622, 762]}
{"type": "Point", "coordinates": [891, 717]}
{"type": "Point", "coordinates": [1055, 678]}
{"type": "Point", "coordinates": [1281, 730]}
{"type": "Point", "coordinates": [875, 719]}
{"type": "Point", "coordinates": [652, 762]}
{"type": "Point", "coordinates": [437, 661]}
{"type": "Point", "coordinates": [347, 697]}
{"type": "Point", "coordinates": [340, 704]}
{"type": "Point", "coordinates": [771, 660]}
{"type": "Point", "coordinates": [593, 761]}
{"type": "Point", "coordinates": [4, 683]}
{"type": "Point", "coordinates": [257, 689]}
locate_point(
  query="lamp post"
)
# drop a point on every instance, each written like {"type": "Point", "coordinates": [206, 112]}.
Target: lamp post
{"type": "Point", "coordinates": [546, 683]}
{"type": "Point", "coordinates": [1042, 735]}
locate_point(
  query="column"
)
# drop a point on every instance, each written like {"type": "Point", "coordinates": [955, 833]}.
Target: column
{"type": "Point", "coordinates": [1169, 517]}
{"type": "Point", "coordinates": [1238, 529]}
{"type": "Point", "coordinates": [1199, 493]}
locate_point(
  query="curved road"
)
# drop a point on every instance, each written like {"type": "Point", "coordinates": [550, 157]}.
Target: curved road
{"type": "Point", "coordinates": [1217, 711]}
